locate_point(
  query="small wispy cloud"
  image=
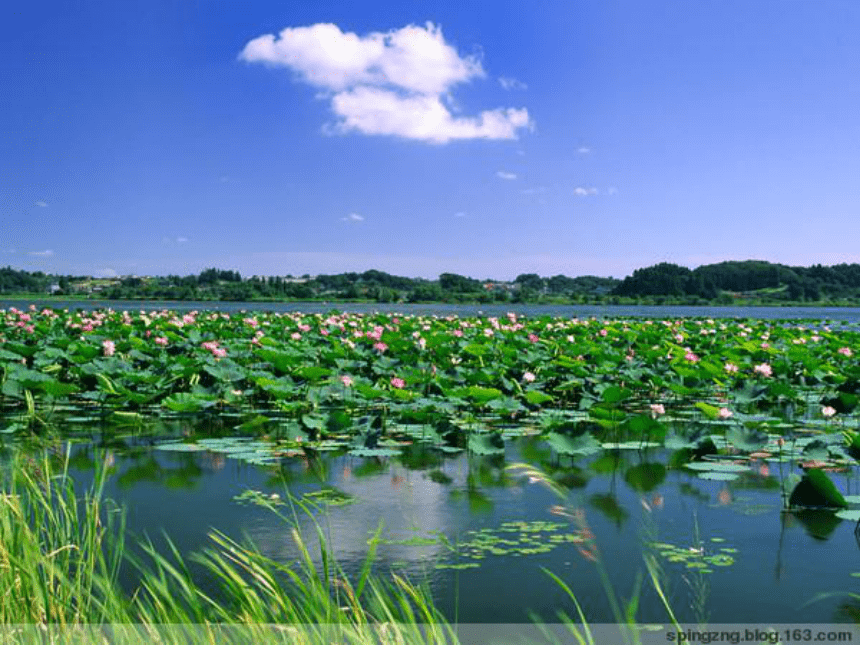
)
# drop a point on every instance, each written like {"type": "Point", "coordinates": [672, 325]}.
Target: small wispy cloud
{"type": "Point", "coordinates": [42, 204]}
{"type": "Point", "coordinates": [537, 190]}
{"type": "Point", "coordinates": [510, 83]}
{"type": "Point", "coordinates": [45, 253]}
{"type": "Point", "coordinates": [582, 192]}
{"type": "Point", "coordinates": [459, 214]}
{"type": "Point", "coordinates": [352, 217]}
{"type": "Point", "coordinates": [503, 174]}
{"type": "Point", "coordinates": [171, 240]}
{"type": "Point", "coordinates": [583, 150]}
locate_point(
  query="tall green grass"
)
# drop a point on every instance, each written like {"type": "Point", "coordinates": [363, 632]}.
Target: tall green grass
{"type": "Point", "coordinates": [61, 556]}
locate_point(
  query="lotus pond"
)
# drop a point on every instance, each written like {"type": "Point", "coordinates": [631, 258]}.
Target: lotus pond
{"type": "Point", "coordinates": [474, 454]}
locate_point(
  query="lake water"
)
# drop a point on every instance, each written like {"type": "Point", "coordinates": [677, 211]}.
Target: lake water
{"type": "Point", "coordinates": [756, 563]}
{"type": "Point", "coordinates": [841, 314]}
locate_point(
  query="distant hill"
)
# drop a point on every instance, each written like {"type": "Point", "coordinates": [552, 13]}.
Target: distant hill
{"type": "Point", "coordinates": [711, 280]}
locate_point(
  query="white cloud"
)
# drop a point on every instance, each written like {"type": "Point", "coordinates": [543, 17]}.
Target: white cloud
{"type": "Point", "coordinates": [181, 240]}
{"type": "Point", "coordinates": [583, 150]}
{"type": "Point", "coordinates": [510, 83]}
{"type": "Point", "coordinates": [42, 204]}
{"type": "Point", "coordinates": [503, 174]}
{"type": "Point", "coordinates": [579, 190]}
{"type": "Point", "coordinates": [387, 83]}
{"type": "Point", "coordinates": [372, 110]}
{"type": "Point", "coordinates": [352, 217]}
{"type": "Point", "coordinates": [45, 253]}
{"type": "Point", "coordinates": [413, 58]}
{"type": "Point", "coordinates": [459, 214]}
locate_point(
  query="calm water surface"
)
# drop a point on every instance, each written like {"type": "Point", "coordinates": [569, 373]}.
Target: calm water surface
{"type": "Point", "coordinates": [843, 314]}
{"type": "Point", "coordinates": [781, 562]}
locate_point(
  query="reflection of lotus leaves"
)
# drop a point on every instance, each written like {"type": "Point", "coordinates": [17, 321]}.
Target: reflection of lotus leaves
{"type": "Point", "coordinates": [645, 477]}
{"type": "Point", "coordinates": [819, 524]}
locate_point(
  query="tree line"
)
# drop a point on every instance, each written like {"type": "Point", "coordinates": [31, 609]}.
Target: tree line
{"type": "Point", "coordinates": [751, 281]}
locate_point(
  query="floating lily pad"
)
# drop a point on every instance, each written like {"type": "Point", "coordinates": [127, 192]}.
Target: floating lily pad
{"type": "Point", "coordinates": [719, 476]}
{"type": "Point", "coordinates": [179, 446]}
{"type": "Point", "coordinates": [716, 466]}
{"type": "Point", "coordinates": [720, 560]}
{"type": "Point", "coordinates": [630, 445]}
{"type": "Point", "coordinates": [330, 497]}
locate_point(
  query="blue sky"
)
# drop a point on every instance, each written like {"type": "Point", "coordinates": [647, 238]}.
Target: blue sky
{"type": "Point", "coordinates": [483, 138]}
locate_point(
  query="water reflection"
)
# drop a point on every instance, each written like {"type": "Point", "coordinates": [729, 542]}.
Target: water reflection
{"type": "Point", "coordinates": [438, 510]}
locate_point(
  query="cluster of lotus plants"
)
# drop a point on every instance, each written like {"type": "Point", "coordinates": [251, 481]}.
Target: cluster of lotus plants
{"type": "Point", "coordinates": [375, 382]}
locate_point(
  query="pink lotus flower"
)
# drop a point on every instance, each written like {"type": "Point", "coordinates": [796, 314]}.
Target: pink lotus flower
{"type": "Point", "coordinates": [161, 340]}
{"type": "Point", "coordinates": [827, 411]}
{"type": "Point", "coordinates": [845, 351]}
{"type": "Point", "coordinates": [764, 369]}
{"type": "Point", "coordinates": [399, 383]}
{"type": "Point", "coordinates": [533, 338]}
{"type": "Point", "coordinates": [380, 346]}
{"type": "Point", "coordinates": [725, 413]}
{"type": "Point", "coordinates": [603, 332]}
{"type": "Point", "coordinates": [690, 356]}
{"type": "Point", "coordinates": [528, 377]}
{"type": "Point", "coordinates": [657, 409]}
{"type": "Point", "coordinates": [296, 335]}
{"type": "Point", "coordinates": [108, 347]}
{"type": "Point", "coordinates": [346, 380]}
{"type": "Point", "coordinates": [731, 368]}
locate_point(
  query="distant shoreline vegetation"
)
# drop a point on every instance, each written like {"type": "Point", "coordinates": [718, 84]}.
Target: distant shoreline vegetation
{"type": "Point", "coordinates": [751, 282]}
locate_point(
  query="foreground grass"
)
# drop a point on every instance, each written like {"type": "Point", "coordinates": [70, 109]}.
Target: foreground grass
{"type": "Point", "coordinates": [60, 559]}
